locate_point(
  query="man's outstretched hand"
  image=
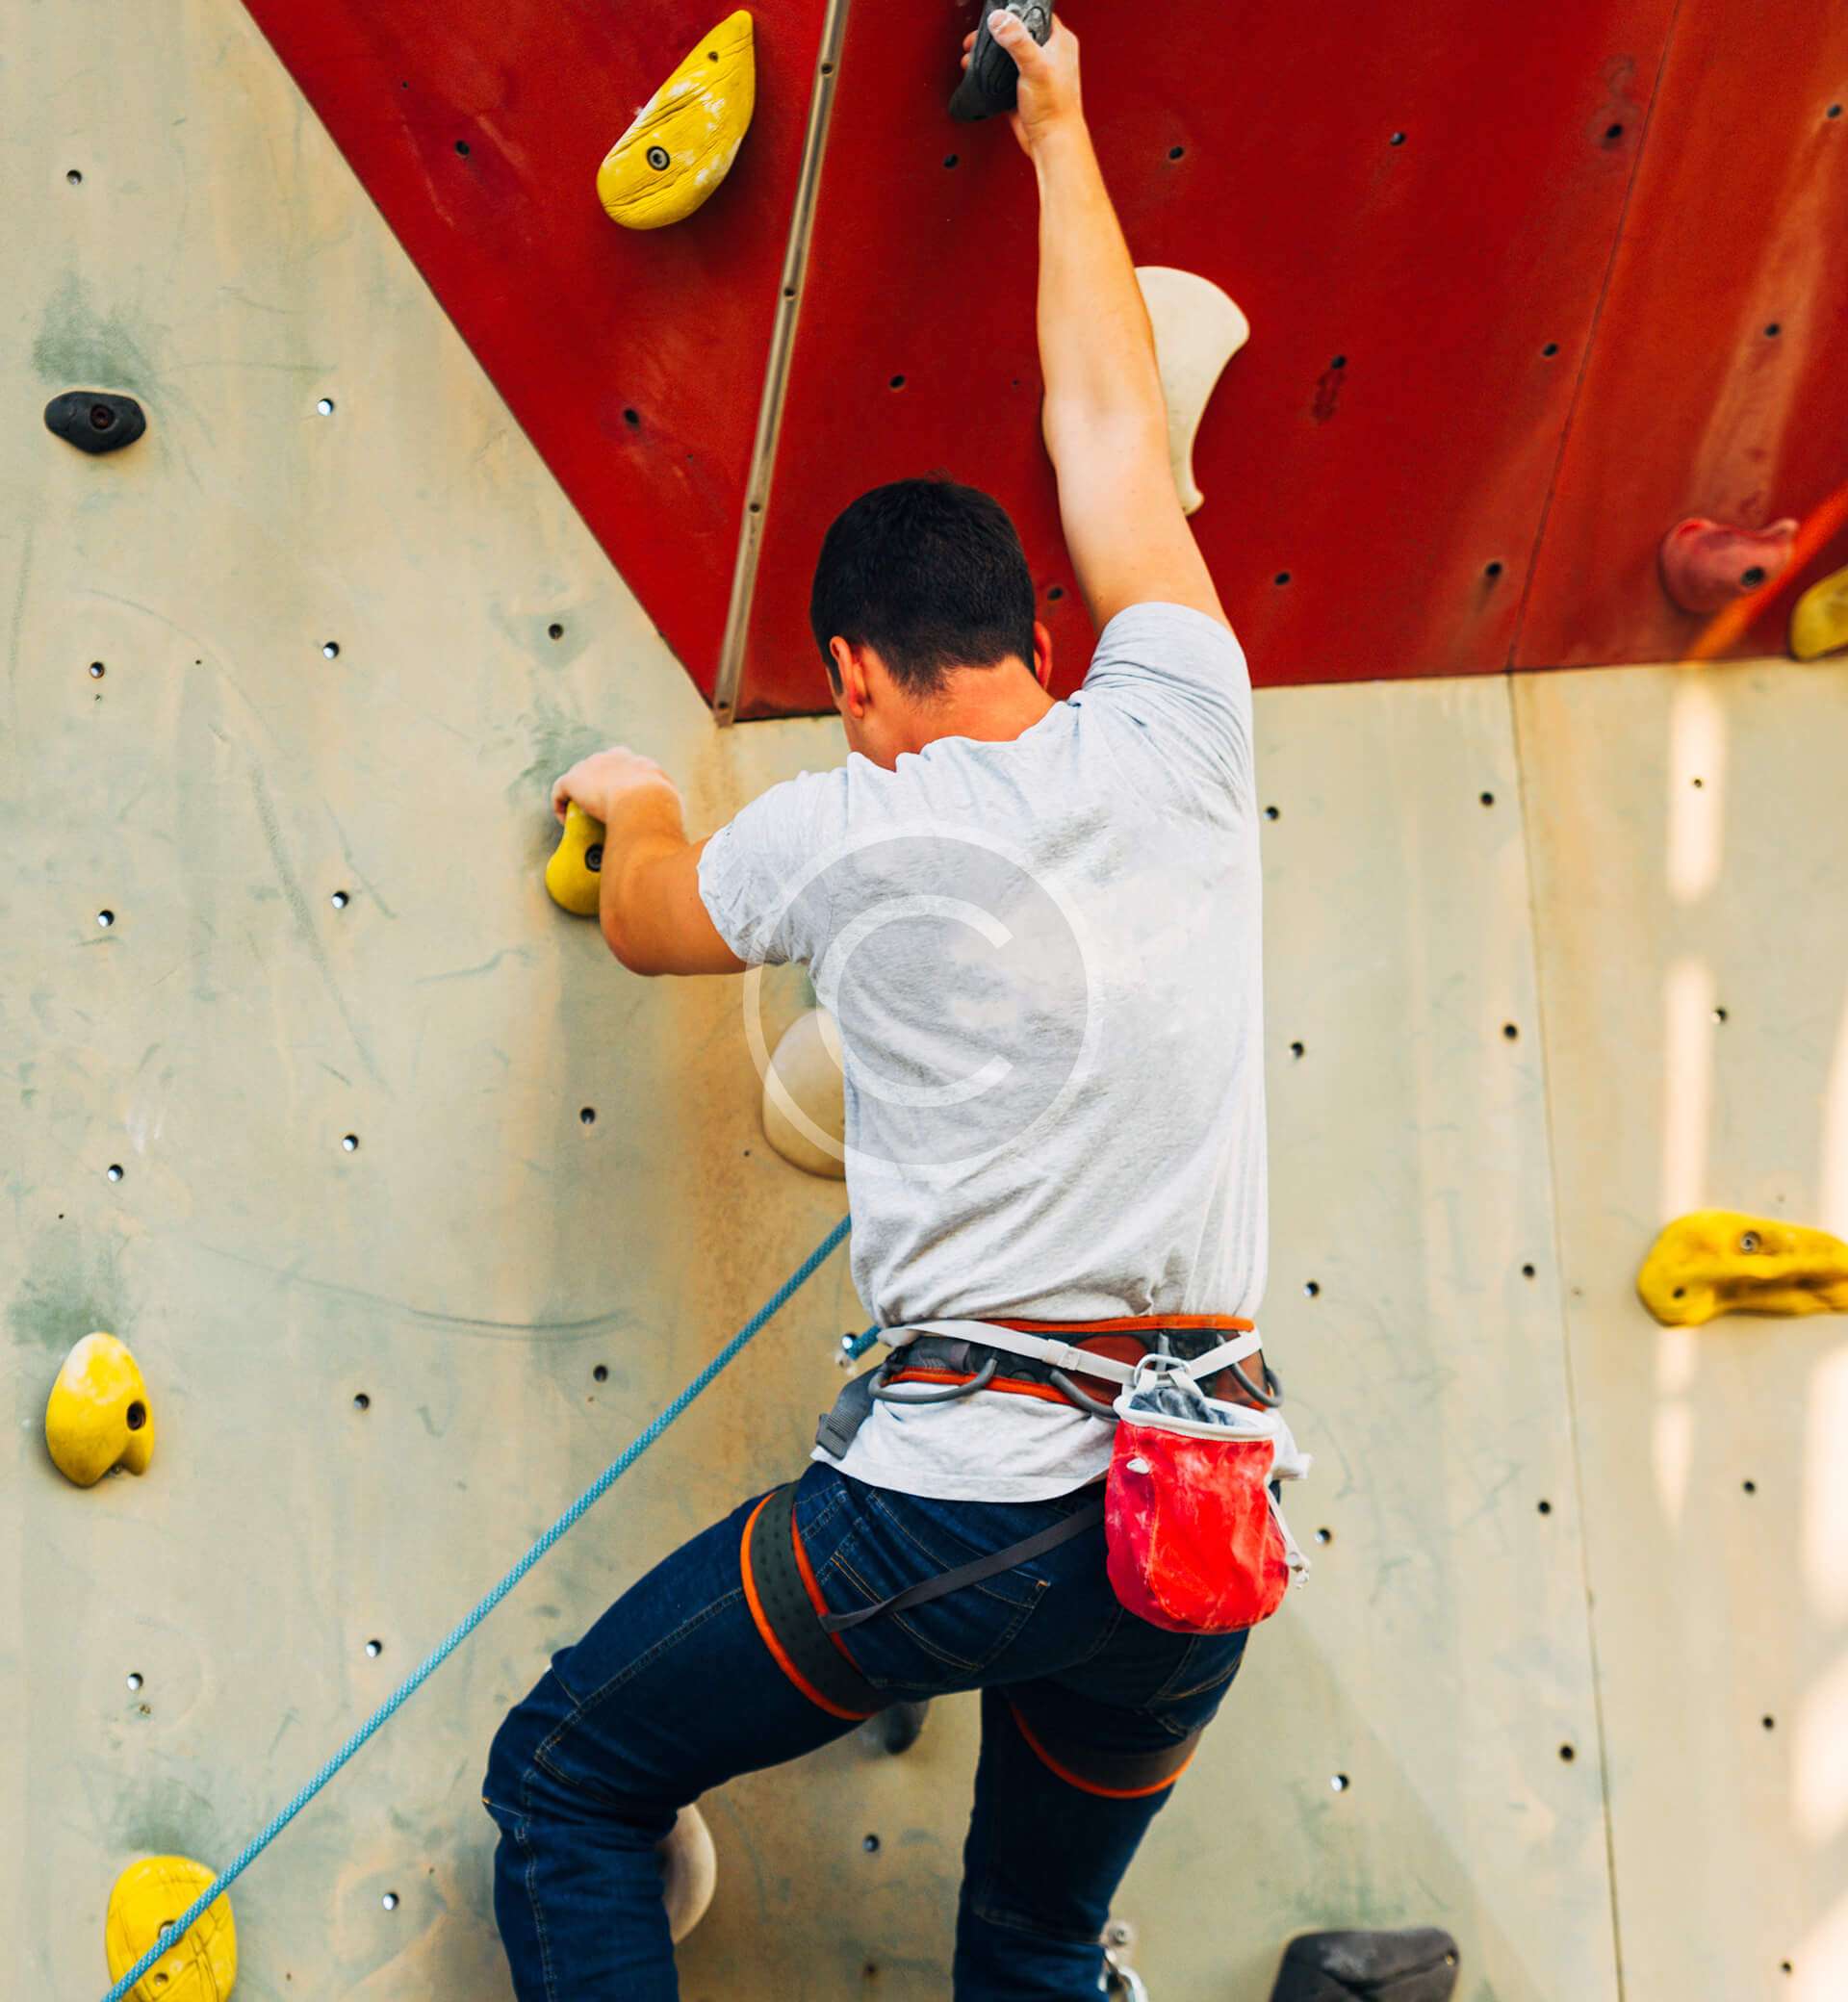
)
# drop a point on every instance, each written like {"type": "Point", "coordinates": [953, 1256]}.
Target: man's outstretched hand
{"type": "Point", "coordinates": [1048, 94]}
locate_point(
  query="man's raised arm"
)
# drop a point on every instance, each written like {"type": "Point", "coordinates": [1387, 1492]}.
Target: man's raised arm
{"type": "Point", "coordinates": [1105, 420]}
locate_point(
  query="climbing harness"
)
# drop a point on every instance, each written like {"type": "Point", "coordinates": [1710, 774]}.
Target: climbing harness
{"type": "Point", "coordinates": [1196, 1538]}
{"type": "Point", "coordinates": [419, 1676]}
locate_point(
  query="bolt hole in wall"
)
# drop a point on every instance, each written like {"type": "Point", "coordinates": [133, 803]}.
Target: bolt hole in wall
{"type": "Point", "coordinates": [601, 1374]}
{"type": "Point", "coordinates": [330, 650]}
{"type": "Point", "coordinates": [114, 1171]}
{"type": "Point", "coordinates": [75, 178]}
{"type": "Point", "coordinates": [104, 918]}
{"type": "Point", "coordinates": [1488, 799]}
{"type": "Point", "coordinates": [462, 147]}
{"type": "Point", "coordinates": [1544, 1507]}
{"type": "Point", "coordinates": [555, 631]}
{"type": "Point", "coordinates": [1273, 813]}
{"type": "Point", "coordinates": [1312, 1289]}
{"type": "Point", "coordinates": [350, 1142]}
{"type": "Point", "coordinates": [1551, 349]}
{"type": "Point", "coordinates": [373, 1649]}
{"type": "Point", "coordinates": [632, 418]}
{"type": "Point", "coordinates": [360, 1401]}
{"type": "Point", "coordinates": [97, 670]}
{"type": "Point", "coordinates": [1567, 1754]}
{"type": "Point", "coordinates": [870, 1843]}
{"type": "Point", "coordinates": [1281, 578]}
{"type": "Point", "coordinates": [952, 159]}
{"type": "Point", "coordinates": [1299, 1051]}
{"type": "Point", "coordinates": [340, 900]}
{"type": "Point", "coordinates": [1339, 1782]}
{"type": "Point", "coordinates": [135, 1679]}
{"type": "Point", "coordinates": [390, 1901]}
{"type": "Point", "coordinates": [1511, 1031]}
{"type": "Point", "coordinates": [587, 1115]}
{"type": "Point", "coordinates": [897, 382]}
{"type": "Point", "coordinates": [325, 406]}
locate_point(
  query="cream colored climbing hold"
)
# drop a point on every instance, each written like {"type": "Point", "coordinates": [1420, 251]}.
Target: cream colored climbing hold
{"type": "Point", "coordinates": [690, 1872]}
{"type": "Point", "coordinates": [98, 1415]}
{"type": "Point", "coordinates": [202, 1964]}
{"type": "Point", "coordinates": [805, 1096]}
{"type": "Point", "coordinates": [1819, 618]}
{"type": "Point", "coordinates": [686, 136]}
{"type": "Point", "coordinates": [574, 873]}
{"type": "Point", "coordinates": [1197, 331]}
{"type": "Point", "coordinates": [1715, 1262]}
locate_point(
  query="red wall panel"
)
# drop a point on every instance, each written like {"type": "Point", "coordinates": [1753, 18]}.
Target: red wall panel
{"type": "Point", "coordinates": [1438, 267]}
{"type": "Point", "coordinates": [577, 320]}
{"type": "Point", "coordinates": [1508, 270]}
{"type": "Point", "coordinates": [1690, 404]}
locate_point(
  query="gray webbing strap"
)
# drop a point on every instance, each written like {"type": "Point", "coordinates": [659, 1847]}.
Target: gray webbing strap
{"type": "Point", "coordinates": [1089, 1517]}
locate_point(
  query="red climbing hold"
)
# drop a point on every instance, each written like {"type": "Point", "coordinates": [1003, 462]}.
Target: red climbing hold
{"type": "Point", "coordinates": [1705, 564]}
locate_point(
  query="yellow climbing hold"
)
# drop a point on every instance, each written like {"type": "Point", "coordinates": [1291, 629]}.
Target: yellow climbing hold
{"type": "Point", "coordinates": [98, 1416]}
{"type": "Point", "coordinates": [1819, 618]}
{"type": "Point", "coordinates": [573, 874]}
{"type": "Point", "coordinates": [202, 1965]}
{"type": "Point", "coordinates": [805, 1096]}
{"type": "Point", "coordinates": [686, 136]}
{"type": "Point", "coordinates": [1719, 1261]}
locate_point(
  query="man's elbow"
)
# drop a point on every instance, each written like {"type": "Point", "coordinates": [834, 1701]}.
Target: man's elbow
{"type": "Point", "coordinates": [633, 950]}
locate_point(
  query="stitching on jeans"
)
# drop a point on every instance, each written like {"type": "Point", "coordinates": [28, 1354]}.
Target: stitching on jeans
{"type": "Point", "coordinates": [1110, 1627]}
{"type": "Point", "coordinates": [973, 1551]}
{"type": "Point", "coordinates": [1022, 1611]}
{"type": "Point", "coordinates": [1168, 1693]}
{"type": "Point", "coordinates": [623, 1676]}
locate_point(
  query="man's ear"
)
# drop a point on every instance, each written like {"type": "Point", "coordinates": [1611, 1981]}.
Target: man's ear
{"type": "Point", "coordinates": [1042, 655]}
{"type": "Point", "coordinates": [848, 672]}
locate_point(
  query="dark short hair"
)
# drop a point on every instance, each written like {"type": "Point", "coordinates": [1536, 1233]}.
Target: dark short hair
{"type": "Point", "coordinates": [929, 573]}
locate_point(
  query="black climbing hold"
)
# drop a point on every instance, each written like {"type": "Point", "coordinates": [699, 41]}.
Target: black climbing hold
{"type": "Point", "coordinates": [1418, 1964]}
{"type": "Point", "coordinates": [991, 83]}
{"type": "Point", "coordinates": [96, 420]}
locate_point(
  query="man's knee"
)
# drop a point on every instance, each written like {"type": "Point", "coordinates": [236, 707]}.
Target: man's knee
{"type": "Point", "coordinates": [513, 1757]}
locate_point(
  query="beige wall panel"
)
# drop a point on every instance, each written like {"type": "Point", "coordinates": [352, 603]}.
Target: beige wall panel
{"type": "Point", "coordinates": [483, 1250]}
{"type": "Point", "coordinates": [1687, 830]}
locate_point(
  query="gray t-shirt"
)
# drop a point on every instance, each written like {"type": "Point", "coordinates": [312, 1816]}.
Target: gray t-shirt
{"type": "Point", "coordinates": [1043, 957]}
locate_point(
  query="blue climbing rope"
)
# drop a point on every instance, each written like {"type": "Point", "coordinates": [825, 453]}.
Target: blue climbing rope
{"type": "Point", "coordinates": [417, 1676]}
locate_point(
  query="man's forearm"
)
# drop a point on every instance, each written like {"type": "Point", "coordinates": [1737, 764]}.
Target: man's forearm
{"type": "Point", "coordinates": [1096, 347]}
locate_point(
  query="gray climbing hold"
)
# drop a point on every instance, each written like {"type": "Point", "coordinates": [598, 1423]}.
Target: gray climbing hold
{"type": "Point", "coordinates": [1417, 1965]}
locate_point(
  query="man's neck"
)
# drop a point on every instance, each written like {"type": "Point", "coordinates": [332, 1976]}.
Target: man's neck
{"type": "Point", "coordinates": [987, 704]}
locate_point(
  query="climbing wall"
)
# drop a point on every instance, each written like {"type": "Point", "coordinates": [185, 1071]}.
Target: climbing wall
{"type": "Point", "coordinates": [1522, 298]}
{"type": "Point", "coordinates": [1691, 901]}
{"type": "Point", "coordinates": [286, 684]}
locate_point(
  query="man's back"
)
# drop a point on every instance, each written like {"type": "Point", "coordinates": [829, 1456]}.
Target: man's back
{"type": "Point", "coordinates": [1043, 955]}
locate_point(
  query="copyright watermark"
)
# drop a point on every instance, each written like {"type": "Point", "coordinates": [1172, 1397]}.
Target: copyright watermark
{"type": "Point", "coordinates": [959, 982]}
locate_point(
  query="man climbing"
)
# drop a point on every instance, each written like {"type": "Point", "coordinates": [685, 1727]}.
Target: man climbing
{"type": "Point", "coordinates": [1038, 923]}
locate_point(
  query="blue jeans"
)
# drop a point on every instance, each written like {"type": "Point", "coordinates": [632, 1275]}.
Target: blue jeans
{"type": "Point", "coordinates": [674, 1691]}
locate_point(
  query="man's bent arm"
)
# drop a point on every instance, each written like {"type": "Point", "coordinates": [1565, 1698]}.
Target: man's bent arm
{"type": "Point", "coordinates": [648, 905]}
{"type": "Point", "coordinates": [1105, 419]}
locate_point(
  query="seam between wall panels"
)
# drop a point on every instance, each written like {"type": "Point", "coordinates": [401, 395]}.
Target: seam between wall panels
{"type": "Point", "coordinates": [1534, 553]}
{"type": "Point", "coordinates": [1565, 1320]}
{"type": "Point", "coordinates": [776, 375]}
